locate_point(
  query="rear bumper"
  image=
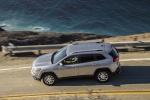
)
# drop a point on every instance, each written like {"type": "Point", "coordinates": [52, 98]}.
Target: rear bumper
{"type": "Point", "coordinates": [118, 70]}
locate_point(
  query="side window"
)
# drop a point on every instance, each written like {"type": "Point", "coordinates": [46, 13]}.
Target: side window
{"type": "Point", "coordinates": [99, 57]}
{"type": "Point", "coordinates": [114, 53]}
{"type": "Point", "coordinates": [70, 60]}
{"type": "Point", "coordinates": [86, 58]}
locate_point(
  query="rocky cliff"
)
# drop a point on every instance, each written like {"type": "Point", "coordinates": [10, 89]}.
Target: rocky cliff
{"type": "Point", "coordinates": [34, 38]}
{"type": "Point", "coordinates": [1, 29]}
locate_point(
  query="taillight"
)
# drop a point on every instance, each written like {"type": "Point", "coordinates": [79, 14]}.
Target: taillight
{"type": "Point", "coordinates": [116, 59]}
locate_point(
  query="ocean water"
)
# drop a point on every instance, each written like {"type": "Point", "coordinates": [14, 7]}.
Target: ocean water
{"type": "Point", "coordinates": [109, 17]}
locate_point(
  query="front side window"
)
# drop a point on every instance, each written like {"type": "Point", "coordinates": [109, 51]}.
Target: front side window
{"type": "Point", "coordinates": [86, 58]}
{"type": "Point", "coordinates": [70, 60]}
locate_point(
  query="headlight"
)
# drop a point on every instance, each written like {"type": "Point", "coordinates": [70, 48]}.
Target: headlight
{"type": "Point", "coordinates": [37, 69]}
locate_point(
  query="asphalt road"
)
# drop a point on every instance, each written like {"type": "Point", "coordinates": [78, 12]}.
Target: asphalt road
{"type": "Point", "coordinates": [132, 83]}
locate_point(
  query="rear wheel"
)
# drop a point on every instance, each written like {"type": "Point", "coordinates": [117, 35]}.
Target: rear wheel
{"type": "Point", "coordinates": [49, 79]}
{"type": "Point", "coordinates": [103, 76]}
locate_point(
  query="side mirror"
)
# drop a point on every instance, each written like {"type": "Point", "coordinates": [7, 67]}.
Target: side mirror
{"type": "Point", "coordinates": [61, 64]}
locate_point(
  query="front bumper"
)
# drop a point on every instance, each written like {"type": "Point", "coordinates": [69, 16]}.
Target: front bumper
{"type": "Point", "coordinates": [35, 74]}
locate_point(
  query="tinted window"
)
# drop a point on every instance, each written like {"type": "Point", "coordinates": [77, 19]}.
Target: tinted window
{"type": "Point", "coordinates": [113, 53]}
{"type": "Point", "coordinates": [86, 58]}
{"type": "Point", "coordinates": [99, 57]}
{"type": "Point", "coordinates": [70, 60]}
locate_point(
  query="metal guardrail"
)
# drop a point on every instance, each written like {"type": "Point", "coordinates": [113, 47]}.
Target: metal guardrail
{"type": "Point", "coordinates": [12, 48]}
{"type": "Point", "coordinates": [131, 43]}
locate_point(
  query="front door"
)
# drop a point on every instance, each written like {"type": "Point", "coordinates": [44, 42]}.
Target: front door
{"type": "Point", "coordinates": [68, 67]}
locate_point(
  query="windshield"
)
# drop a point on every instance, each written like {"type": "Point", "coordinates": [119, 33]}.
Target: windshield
{"type": "Point", "coordinates": [59, 55]}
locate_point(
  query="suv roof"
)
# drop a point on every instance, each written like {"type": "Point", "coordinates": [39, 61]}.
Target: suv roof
{"type": "Point", "coordinates": [88, 46]}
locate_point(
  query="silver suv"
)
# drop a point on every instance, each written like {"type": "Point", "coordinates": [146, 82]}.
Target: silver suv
{"type": "Point", "coordinates": [90, 58]}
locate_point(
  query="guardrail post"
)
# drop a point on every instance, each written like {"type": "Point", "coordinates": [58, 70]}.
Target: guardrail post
{"type": "Point", "coordinates": [10, 53]}
{"type": "Point", "coordinates": [39, 52]}
{"type": "Point", "coordinates": [135, 39]}
{"type": "Point", "coordinates": [103, 40]}
{"type": "Point", "coordinates": [3, 49]}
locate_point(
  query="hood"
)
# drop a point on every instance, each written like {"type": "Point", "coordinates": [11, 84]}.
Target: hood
{"type": "Point", "coordinates": [43, 60]}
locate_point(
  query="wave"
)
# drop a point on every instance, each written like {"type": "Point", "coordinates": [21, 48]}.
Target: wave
{"type": "Point", "coordinates": [109, 17]}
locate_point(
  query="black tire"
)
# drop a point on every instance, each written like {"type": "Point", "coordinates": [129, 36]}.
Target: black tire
{"type": "Point", "coordinates": [49, 79]}
{"type": "Point", "coordinates": [103, 76]}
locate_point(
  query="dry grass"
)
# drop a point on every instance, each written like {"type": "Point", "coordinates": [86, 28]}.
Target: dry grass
{"type": "Point", "coordinates": [138, 37]}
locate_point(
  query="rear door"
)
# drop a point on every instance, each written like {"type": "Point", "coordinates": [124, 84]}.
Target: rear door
{"type": "Point", "coordinates": [90, 62]}
{"type": "Point", "coordinates": [86, 64]}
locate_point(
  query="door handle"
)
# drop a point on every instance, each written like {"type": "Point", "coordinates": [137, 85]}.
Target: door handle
{"type": "Point", "coordinates": [93, 64]}
{"type": "Point", "coordinates": [73, 66]}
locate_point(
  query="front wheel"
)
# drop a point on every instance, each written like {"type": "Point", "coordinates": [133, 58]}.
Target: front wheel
{"type": "Point", "coordinates": [49, 79]}
{"type": "Point", "coordinates": [103, 76]}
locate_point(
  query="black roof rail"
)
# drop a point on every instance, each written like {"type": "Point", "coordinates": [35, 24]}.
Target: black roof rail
{"type": "Point", "coordinates": [99, 42]}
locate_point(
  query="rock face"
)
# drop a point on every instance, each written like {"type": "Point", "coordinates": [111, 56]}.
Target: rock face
{"type": "Point", "coordinates": [21, 38]}
{"type": "Point", "coordinates": [1, 29]}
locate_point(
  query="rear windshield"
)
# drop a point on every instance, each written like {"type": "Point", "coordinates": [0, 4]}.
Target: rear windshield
{"type": "Point", "coordinates": [114, 53]}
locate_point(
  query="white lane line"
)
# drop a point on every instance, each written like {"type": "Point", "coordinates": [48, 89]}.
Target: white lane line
{"type": "Point", "coordinates": [9, 69]}
{"type": "Point", "coordinates": [20, 68]}
{"type": "Point", "coordinates": [135, 59]}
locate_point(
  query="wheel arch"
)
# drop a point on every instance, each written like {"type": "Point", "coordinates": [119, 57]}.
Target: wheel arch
{"type": "Point", "coordinates": [47, 73]}
{"type": "Point", "coordinates": [107, 69]}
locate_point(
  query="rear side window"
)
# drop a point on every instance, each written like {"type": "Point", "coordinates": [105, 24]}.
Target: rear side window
{"type": "Point", "coordinates": [114, 53]}
{"type": "Point", "coordinates": [90, 58]}
{"type": "Point", "coordinates": [86, 58]}
{"type": "Point", "coordinates": [99, 57]}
